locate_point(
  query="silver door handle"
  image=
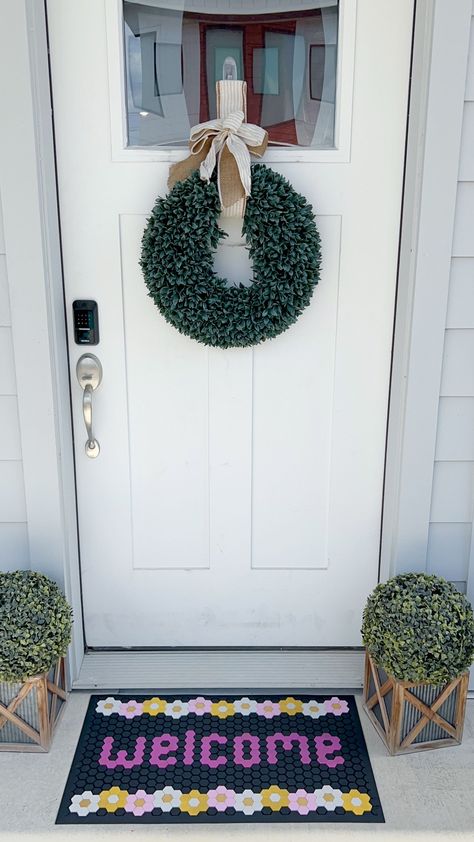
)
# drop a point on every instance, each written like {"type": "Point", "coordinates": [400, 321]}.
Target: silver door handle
{"type": "Point", "coordinates": [89, 375]}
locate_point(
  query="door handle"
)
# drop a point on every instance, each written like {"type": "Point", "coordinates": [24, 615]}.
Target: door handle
{"type": "Point", "coordinates": [89, 376]}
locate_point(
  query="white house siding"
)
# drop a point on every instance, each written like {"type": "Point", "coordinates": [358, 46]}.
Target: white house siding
{"type": "Point", "coordinates": [452, 503]}
{"type": "Point", "coordinates": [14, 552]}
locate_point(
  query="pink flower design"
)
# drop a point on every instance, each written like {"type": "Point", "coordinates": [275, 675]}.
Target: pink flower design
{"type": "Point", "coordinates": [199, 706]}
{"type": "Point", "coordinates": [139, 803]}
{"type": "Point", "coordinates": [268, 709]}
{"type": "Point", "coordinates": [336, 706]}
{"type": "Point", "coordinates": [130, 709]}
{"type": "Point", "coordinates": [302, 802]}
{"type": "Point", "coordinates": [221, 798]}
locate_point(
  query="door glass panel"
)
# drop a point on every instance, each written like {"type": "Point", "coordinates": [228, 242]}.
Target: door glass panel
{"type": "Point", "coordinates": [176, 51]}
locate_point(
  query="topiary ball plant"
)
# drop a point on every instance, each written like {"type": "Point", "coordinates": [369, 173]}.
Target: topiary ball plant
{"type": "Point", "coordinates": [35, 624]}
{"type": "Point", "coordinates": [419, 628]}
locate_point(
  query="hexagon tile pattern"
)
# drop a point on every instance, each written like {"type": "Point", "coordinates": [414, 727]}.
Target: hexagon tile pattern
{"type": "Point", "coordinates": [161, 759]}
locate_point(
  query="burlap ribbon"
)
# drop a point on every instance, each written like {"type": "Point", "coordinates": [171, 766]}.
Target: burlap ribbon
{"type": "Point", "coordinates": [227, 141]}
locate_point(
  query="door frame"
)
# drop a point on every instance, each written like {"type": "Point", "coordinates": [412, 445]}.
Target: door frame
{"type": "Point", "coordinates": [29, 199]}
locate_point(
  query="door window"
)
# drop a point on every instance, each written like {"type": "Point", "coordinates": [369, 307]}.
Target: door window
{"type": "Point", "coordinates": [176, 51]}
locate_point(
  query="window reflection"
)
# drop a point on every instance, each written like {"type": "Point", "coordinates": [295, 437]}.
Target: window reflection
{"type": "Point", "coordinates": [176, 51]}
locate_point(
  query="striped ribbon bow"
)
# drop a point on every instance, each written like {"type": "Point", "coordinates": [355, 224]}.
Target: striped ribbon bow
{"type": "Point", "coordinates": [232, 134]}
{"type": "Point", "coordinates": [228, 142]}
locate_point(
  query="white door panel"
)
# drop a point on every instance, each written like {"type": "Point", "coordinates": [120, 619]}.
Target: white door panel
{"type": "Point", "coordinates": [237, 496]}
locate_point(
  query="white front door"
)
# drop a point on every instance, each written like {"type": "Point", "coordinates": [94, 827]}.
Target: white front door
{"type": "Point", "coordinates": [236, 500]}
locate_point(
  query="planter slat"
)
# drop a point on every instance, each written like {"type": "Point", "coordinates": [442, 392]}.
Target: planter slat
{"type": "Point", "coordinates": [461, 700]}
{"type": "Point", "coordinates": [386, 686]}
{"type": "Point", "coordinates": [429, 713]}
{"type": "Point", "coordinates": [381, 701]}
{"type": "Point", "coordinates": [32, 711]}
{"type": "Point", "coordinates": [419, 715]}
{"type": "Point", "coordinates": [54, 688]}
{"type": "Point", "coordinates": [12, 706]}
{"type": "Point", "coordinates": [21, 724]}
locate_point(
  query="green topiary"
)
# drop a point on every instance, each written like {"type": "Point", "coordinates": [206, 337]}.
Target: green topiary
{"type": "Point", "coordinates": [35, 624]}
{"type": "Point", "coordinates": [178, 251]}
{"type": "Point", "coordinates": [419, 628]}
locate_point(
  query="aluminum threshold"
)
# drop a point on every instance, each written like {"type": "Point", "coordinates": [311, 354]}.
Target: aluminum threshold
{"type": "Point", "coordinates": [235, 669]}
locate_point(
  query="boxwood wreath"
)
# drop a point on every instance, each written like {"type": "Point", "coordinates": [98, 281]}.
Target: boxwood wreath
{"type": "Point", "coordinates": [177, 261]}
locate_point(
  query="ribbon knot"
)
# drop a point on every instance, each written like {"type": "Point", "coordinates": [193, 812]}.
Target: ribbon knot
{"type": "Point", "coordinates": [227, 142]}
{"type": "Point", "coordinates": [232, 134]}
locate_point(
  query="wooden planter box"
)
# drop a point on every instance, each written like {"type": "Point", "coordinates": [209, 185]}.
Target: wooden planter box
{"type": "Point", "coordinates": [29, 712]}
{"type": "Point", "coordinates": [413, 717]}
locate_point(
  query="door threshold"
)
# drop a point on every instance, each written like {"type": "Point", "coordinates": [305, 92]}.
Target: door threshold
{"type": "Point", "coordinates": [217, 669]}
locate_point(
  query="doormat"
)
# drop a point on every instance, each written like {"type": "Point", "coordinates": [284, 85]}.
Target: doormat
{"type": "Point", "coordinates": [208, 759]}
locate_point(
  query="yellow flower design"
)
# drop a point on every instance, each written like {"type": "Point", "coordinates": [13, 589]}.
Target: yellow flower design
{"type": "Point", "coordinates": [356, 802]}
{"type": "Point", "coordinates": [222, 709]}
{"type": "Point", "coordinates": [194, 802]}
{"type": "Point", "coordinates": [113, 798]}
{"type": "Point", "coordinates": [291, 706]}
{"type": "Point", "coordinates": [154, 706]}
{"type": "Point", "coordinates": [275, 798]}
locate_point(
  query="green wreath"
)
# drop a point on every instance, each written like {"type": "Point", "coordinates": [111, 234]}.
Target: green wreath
{"type": "Point", "coordinates": [177, 261]}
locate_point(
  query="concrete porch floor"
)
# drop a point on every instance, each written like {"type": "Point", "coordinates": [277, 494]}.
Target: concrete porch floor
{"type": "Point", "coordinates": [425, 796]}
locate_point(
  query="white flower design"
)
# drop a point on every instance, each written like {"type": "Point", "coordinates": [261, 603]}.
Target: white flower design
{"type": "Point", "coordinates": [177, 709]}
{"type": "Point", "coordinates": [314, 709]}
{"type": "Point", "coordinates": [245, 706]}
{"type": "Point", "coordinates": [108, 706]}
{"type": "Point", "coordinates": [167, 798]}
{"type": "Point", "coordinates": [84, 803]}
{"type": "Point", "coordinates": [248, 802]}
{"type": "Point", "coordinates": [329, 798]}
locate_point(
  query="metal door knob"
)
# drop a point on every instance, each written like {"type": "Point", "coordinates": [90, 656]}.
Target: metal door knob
{"type": "Point", "coordinates": [89, 376]}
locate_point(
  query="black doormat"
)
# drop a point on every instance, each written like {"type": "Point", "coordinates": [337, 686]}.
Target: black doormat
{"type": "Point", "coordinates": [237, 759]}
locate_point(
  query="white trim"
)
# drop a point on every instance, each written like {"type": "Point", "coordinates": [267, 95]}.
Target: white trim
{"type": "Point", "coordinates": [28, 184]}
{"type": "Point", "coordinates": [439, 71]}
{"type": "Point", "coordinates": [470, 594]}
{"type": "Point", "coordinates": [194, 669]}
{"type": "Point", "coordinates": [344, 90]}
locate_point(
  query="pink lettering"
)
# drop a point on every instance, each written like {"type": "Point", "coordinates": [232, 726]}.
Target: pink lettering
{"type": "Point", "coordinates": [121, 758]}
{"type": "Point", "coordinates": [160, 749]}
{"type": "Point", "coordinates": [253, 743]}
{"type": "Point", "coordinates": [287, 741]}
{"type": "Point", "coordinates": [206, 748]}
{"type": "Point", "coordinates": [326, 744]}
{"type": "Point", "coordinates": [189, 741]}
{"type": "Point", "coordinates": [247, 750]}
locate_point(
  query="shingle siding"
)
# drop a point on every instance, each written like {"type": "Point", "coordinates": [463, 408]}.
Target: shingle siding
{"type": "Point", "coordinates": [452, 504]}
